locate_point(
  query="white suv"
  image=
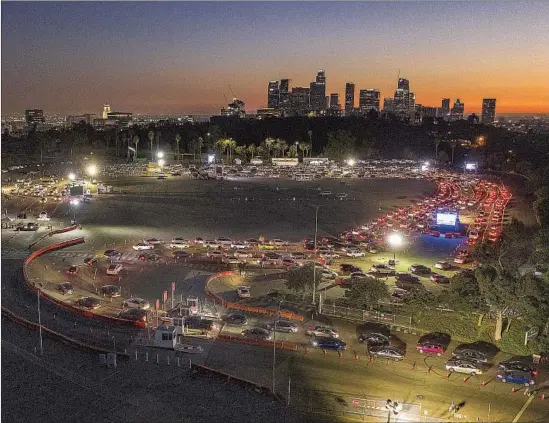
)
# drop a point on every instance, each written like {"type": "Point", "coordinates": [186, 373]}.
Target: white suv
{"type": "Point", "coordinates": [179, 243]}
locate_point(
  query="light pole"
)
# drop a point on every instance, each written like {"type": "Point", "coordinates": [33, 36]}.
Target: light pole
{"type": "Point", "coordinates": [314, 263]}
{"type": "Point", "coordinates": [395, 240]}
{"type": "Point", "coordinates": [114, 344]}
{"type": "Point", "coordinates": [73, 205]}
{"type": "Point", "coordinates": [274, 344]}
{"type": "Point", "coordinates": [310, 133]}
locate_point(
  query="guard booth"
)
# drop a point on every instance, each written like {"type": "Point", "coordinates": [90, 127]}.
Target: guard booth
{"type": "Point", "coordinates": [165, 336]}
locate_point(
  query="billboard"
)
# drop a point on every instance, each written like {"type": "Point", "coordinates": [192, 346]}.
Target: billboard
{"type": "Point", "coordinates": [285, 161]}
{"type": "Point", "coordinates": [447, 218]}
{"type": "Point", "coordinates": [470, 166]}
{"type": "Point", "coordinates": [76, 190]}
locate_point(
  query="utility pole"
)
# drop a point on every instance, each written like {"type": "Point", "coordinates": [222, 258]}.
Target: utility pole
{"type": "Point", "coordinates": [40, 325]}
{"type": "Point", "coordinates": [314, 264]}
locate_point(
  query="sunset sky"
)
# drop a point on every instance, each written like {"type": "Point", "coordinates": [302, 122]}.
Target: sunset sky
{"type": "Point", "coordinates": [181, 57]}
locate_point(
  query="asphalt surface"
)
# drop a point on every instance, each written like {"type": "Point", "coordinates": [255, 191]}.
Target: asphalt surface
{"type": "Point", "coordinates": [317, 381]}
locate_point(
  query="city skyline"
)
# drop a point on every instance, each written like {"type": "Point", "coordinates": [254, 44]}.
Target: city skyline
{"type": "Point", "coordinates": [177, 57]}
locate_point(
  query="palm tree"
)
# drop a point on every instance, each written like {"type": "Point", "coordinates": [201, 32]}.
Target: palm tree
{"type": "Point", "coordinates": [200, 144]}
{"type": "Point", "coordinates": [136, 142]}
{"type": "Point", "coordinates": [151, 138]}
{"type": "Point", "coordinates": [124, 138]}
{"type": "Point", "coordinates": [292, 151]}
{"type": "Point", "coordinates": [240, 151]}
{"type": "Point", "coordinates": [269, 142]}
{"type": "Point", "coordinates": [252, 149]}
{"type": "Point", "coordinates": [192, 148]}
{"type": "Point", "coordinates": [220, 146]}
{"type": "Point", "coordinates": [231, 145]}
{"type": "Point", "coordinates": [177, 141]}
{"type": "Point", "coordinates": [260, 151]}
{"type": "Point", "coordinates": [305, 147]}
{"type": "Point", "coordinates": [282, 146]}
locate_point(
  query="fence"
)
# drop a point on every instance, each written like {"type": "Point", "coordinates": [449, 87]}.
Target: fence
{"type": "Point", "coordinates": [367, 316]}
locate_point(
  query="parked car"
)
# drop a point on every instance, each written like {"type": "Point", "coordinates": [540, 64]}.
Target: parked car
{"type": "Point", "coordinates": [73, 270]}
{"type": "Point", "coordinates": [236, 319]}
{"type": "Point", "coordinates": [239, 245]}
{"type": "Point", "coordinates": [181, 254]}
{"type": "Point", "coordinates": [382, 269]}
{"type": "Point", "coordinates": [439, 279]}
{"type": "Point", "coordinates": [154, 241]}
{"type": "Point", "coordinates": [143, 246]}
{"type": "Point", "coordinates": [329, 343]}
{"type": "Point", "coordinates": [467, 352]}
{"type": "Point", "coordinates": [89, 302]}
{"type": "Point", "coordinates": [464, 366]}
{"type": "Point", "coordinates": [355, 253]}
{"type": "Point", "coordinates": [243, 292]}
{"type": "Point", "coordinates": [148, 257]}
{"type": "Point", "coordinates": [515, 376]}
{"type": "Point", "coordinates": [224, 241]}
{"type": "Point", "coordinates": [90, 261]}
{"type": "Point", "coordinates": [65, 288]}
{"type": "Point", "coordinates": [211, 244]}
{"type": "Point", "coordinates": [322, 332]}
{"type": "Point", "coordinates": [443, 265]}
{"type": "Point", "coordinates": [136, 303]}
{"type": "Point", "coordinates": [133, 314]}
{"type": "Point", "coordinates": [387, 351]}
{"type": "Point", "coordinates": [349, 268]}
{"type": "Point", "coordinates": [112, 253]}
{"type": "Point", "coordinates": [243, 254]}
{"type": "Point", "coordinates": [257, 334]}
{"type": "Point", "coordinates": [521, 364]}
{"type": "Point", "coordinates": [430, 348]}
{"type": "Point", "coordinates": [419, 269]}
{"type": "Point", "coordinates": [374, 339]}
{"type": "Point", "coordinates": [110, 291]}
{"type": "Point", "coordinates": [282, 326]}
{"type": "Point", "coordinates": [298, 255]}
{"type": "Point", "coordinates": [179, 243]}
{"type": "Point", "coordinates": [114, 269]}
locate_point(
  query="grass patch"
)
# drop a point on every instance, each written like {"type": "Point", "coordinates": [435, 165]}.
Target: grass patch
{"type": "Point", "coordinates": [463, 327]}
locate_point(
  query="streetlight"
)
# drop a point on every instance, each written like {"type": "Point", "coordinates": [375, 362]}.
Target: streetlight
{"type": "Point", "coordinates": [73, 204]}
{"type": "Point", "coordinates": [395, 240]}
{"type": "Point", "coordinates": [72, 176]}
{"type": "Point", "coordinates": [160, 154]}
{"type": "Point", "coordinates": [351, 162]}
{"type": "Point", "coordinates": [161, 162]}
{"type": "Point", "coordinates": [274, 343]}
{"type": "Point", "coordinates": [314, 263]}
{"type": "Point", "coordinates": [92, 170]}
{"type": "Point", "coordinates": [114, 345]}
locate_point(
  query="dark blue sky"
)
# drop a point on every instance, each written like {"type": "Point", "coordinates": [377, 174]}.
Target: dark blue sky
{"type": "Point", "coordinates": [180, 57]}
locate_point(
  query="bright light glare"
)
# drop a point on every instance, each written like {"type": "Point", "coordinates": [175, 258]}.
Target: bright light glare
{"type": "Point", "coordinates": [211, 158]}
{"type": "Point", "coordinates": [395, 240]}
{"type": "Point", "coordinates": [160, 154]}
{"type": "Point", "coordinates": [351, 162]}
{"type": "Point", "coordinates": [74, 202]}
{"type": "Point", "coordinates": [92, 170]}
{"type": "Point", "coordinates": [72, 176]}
{"type": "Point", "coordinates": [161, 162]}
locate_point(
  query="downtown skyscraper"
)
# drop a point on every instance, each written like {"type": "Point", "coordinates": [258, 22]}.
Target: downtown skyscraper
{"type": "Point", "coordinates": [488, 110]}
{"type": "Point", "coordinates": [273, 95]}
{"type": "Point", "coordinates": [368, 100]}
{"type": "Point", "coordinates": [318, 92]}
{"type": "Point", "coordinates": [349, 98]}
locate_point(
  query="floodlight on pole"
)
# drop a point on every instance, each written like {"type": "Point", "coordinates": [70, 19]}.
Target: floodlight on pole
{"type": "Point", "coordinates": [92, 170]}
{"type": "Point", "coordinates": [351, 162]}
{"type": "Point", "coordinates": [72, 176]}
{"type": "Point", "coordinates": [161, 162]}
{"type": "Point", "coordinates": [395, 240]}
{"type": "Point", "coordinates": [160, 154]}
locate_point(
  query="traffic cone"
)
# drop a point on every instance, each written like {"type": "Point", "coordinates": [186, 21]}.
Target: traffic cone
{"type": "Point", "coordinates": [324, 352]}
{"type": "Point", "coordinates": [339, 354]}
{"type": "Point", "coordinates": [513, 390]}
{"type": "Point", "coordinates": [542, 397]}
{"type": "Point", "coordinates": [483, 384]}
{"type": "Point", "coordinates": [464, 380]}
{"type": "Point", "coordinates": [387, 362]}
{"type": "Point", "coordinates": [413, 369]}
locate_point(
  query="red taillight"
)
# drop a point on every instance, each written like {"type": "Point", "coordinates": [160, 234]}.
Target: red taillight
{"type": "Point", "coordinates": [390, 342]}
{"type": "Point", "coordinates": [534, 373]}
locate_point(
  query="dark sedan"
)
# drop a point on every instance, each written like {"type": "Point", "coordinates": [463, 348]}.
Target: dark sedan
{"type": "Point", "coordinates": [89, 303]}
{"type": "Point", "coordinates": [111, 291]}
{"type": "Point", "coordinates": [257, 334]}
{"type": "Point", "coordinates": [65, 288]}
{"type": "Point", "coordinates": [236, 319]}
{"type": "Point", "coordinates": [374, 339]}
{"type": "Point", "coordinates": [133, 314]}
{"type": "Point", "coordinates": [329, 343]}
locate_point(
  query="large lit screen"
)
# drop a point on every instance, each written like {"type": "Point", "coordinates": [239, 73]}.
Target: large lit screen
{"type": "Point", "coordinates": [446, 218]}
{"type": "Point", "coordinates": [470, 166]}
